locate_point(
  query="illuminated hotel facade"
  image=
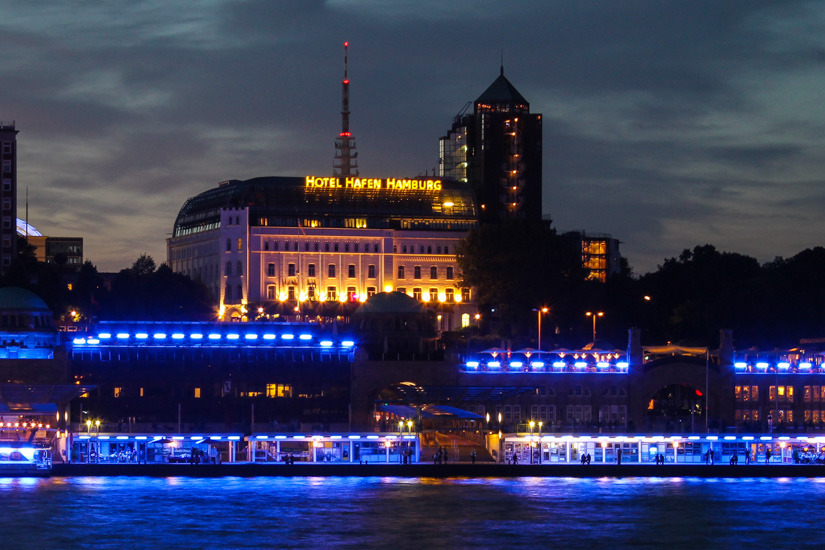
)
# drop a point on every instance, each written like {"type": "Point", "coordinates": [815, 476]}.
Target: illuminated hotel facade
{"type": "Point", "coordinates": [309, 243]}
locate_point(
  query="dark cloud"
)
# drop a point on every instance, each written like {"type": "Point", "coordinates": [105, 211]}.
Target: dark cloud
{"type": "Point", "coordinates": [667, 124]}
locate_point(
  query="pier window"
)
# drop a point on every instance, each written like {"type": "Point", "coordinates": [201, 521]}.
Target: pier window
{"type": "Point", "coordinates": [351, 271]}
{"type": "Point", "coordinates": [371, 271]}
{"type": "Point", "coordinates": [417, 272]}
{"type": "Point", "coordinates": [270, 270]}
{"type": "Point", "coordinates": [311, 270]}
{"type": "Point", "coordinates": [331, 270]}
{"type": "Point", "coordinates": [433, 272]}
{"type": "Point", "coordinates": [332, 293]}
{"type": "Point", "coordinates": [270, 292]}
{"type": "Point", "coordinates": [400, 271]}
{"type": "Point", "coordinates": [290, 270]}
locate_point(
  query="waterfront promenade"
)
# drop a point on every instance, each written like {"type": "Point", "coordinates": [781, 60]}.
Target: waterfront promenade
{"type": "Point", "coordinates": [427, 470]}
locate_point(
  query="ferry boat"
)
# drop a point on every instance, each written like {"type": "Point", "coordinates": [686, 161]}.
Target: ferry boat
{"type": "Point", "coordinates": [24, 460]}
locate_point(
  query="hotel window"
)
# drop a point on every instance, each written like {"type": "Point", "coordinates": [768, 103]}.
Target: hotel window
{"type": "Point", "coordinates": [438, 250]}
{"type": "Point", "coordinates": [240, 268]}
{"type": "Point", "coordinates": [449, 273]}
{"type": "Point", "coordinates": [6, 166]}
{"type": "Point", "coordinates": [351, 293]}
{"type": "Point", "coordinates": [465, 320]}
{"type": "Point", "coordinates": [465, 294]}
{"type": "Point", "coordinates": [433, 295]}
{"type": "Point", "coordinates": [266, 246]}
{"type": "Point", "coordinates": [332, 294]}
{"type": "Point", "coordinates": [227, 295]}
{"type": "Point", "coordinates": [141, 392]}
{"type": "Point", "coordinates": [6, 147]}
{"type": "Point", "coordinates": [270, 270]}
{"type": "Point", "coordinates": [326, 247]}
{"type": "Point", "coordinates": [346, 247]}
{"type": "Point", "coordinates": [311, 293]}
{"type": "Point", "coordinates": [429, 250]}
{"type": "Point", "coordinates": [197, 393]}
{"type": "Point", "coordinates": [404, 249]}
{"type": "Point", "coordinates": [228, 268]}
{"type": "Point", "coordinates": [446, 250]}
{"type": "Point", "coordinates": [239, 295]}
{"type": "Point", "coordinates": [228, 245]}
{"type": "Point", "coordinates": [306, 247]}
{"type": "Point", "coordinates": [433, 273]}
{"type": "Point", "coordinates": [335, 247]}
{"type": "Point", "coordinates": [240, 245]}
{"type": "Point", "coordinates": [118, 392]}
{"type": "Point", "coordinates": [6, 185]}
{"type": "Point", "coordinates": [275, 246]}
{"type": "Point", "coordinates": [270, 292]}
{"type": "Point", "coordinates": [355, 247]}
{"type": "Point", "coordinates": [400, 271]}
{"type": "Point", "coordinates": [401, 289]}
{"type": "Point", "coordinates": [450, 294]}
{"type": "Point", "coordinates": [315, 247]}
{"type": "Point", "coordinates": [417, 293]}
{"type": "Point", "coordinates": [351, 271]}
{"type": "Point", "coordinates": [290, 270]}
{"type": "Point", "coordinates": [291, 292]}
{"type": "Point", "coordinates": [417, 272]}
{"type": "Point", "coordinates": [278, 390]}
{"type": "Point", "coordinates": [375, 248]}
{"type": "Point", "coordinates": [311, 270]}
{"type": "Point", "coordinates": [331, 270]}
{"type": "Point", "coordinates": [421, 249]}
{"type": "Point", "coordinates": [370, 291]}
{"type": "Point", "coordinates": [371, 271]}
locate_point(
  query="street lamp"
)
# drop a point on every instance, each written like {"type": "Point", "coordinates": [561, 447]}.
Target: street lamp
{"type": "Point", "coordinates": [532, 424]}
{"type": "Point", "coordinates": [594, 314]}
{"type": "Point", "coordinates": [539, 311]}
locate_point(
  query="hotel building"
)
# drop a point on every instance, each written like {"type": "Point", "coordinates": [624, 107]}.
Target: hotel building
{"type": "Point", "coordinates": [304, 242]}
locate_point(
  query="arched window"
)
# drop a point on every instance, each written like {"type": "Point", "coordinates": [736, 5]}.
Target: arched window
{"type": "Point", "coordinates": [229, 268]}
{"type": "Point", "coordinates": [240, 268]}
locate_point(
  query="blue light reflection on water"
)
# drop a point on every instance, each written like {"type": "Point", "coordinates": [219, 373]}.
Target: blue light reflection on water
{"type": "Point", "coordinates": [121, 512]}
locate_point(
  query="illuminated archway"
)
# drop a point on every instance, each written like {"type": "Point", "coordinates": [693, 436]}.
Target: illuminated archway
{"type": "Point", "coordinates": [677, 402]}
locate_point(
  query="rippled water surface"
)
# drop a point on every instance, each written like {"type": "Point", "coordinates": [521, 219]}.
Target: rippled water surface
{"type": "Point", "coordinates": [121, 512]}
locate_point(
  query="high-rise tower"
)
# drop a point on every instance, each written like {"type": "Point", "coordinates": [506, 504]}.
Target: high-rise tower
{"type": "Point", "coordinates": [346, 163]}
{"type": "Point", "coordinates": [8, 195]}
{"type": "Point", "coordinates": [497, 149]}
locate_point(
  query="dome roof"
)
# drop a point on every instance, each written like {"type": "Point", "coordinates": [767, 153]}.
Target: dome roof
{"type": "Point", "coordinates": [390, 302]}
{"type": "Point", "coordinates": [14, 298]}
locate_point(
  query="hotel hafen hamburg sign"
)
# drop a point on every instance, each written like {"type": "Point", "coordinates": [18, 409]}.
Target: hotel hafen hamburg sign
{"type": "Point", "coordinates": [389, 184]}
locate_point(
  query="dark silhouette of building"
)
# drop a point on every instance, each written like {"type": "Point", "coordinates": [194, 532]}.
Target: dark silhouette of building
{"type": "Point", "coordinates": [8, 194]}
{"type": "Point", "coordinates": [497, 150]}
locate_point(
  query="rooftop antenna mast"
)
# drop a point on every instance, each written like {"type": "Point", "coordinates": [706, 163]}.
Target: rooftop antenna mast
{"type": "Point", "coordinates": [346, 163]}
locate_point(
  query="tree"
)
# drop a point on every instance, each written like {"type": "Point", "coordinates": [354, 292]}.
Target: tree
{"type": "Point", "coordinates": [516, 266]}
{"type": "Point", "coordinates": [145, 293]}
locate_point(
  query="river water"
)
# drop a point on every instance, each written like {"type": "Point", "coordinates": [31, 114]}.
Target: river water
{"type": "Point", "coordinates": [399, 513]}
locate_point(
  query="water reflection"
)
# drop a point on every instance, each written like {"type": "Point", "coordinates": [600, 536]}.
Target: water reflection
{"type": "Point", "coordinates": [318, 512]}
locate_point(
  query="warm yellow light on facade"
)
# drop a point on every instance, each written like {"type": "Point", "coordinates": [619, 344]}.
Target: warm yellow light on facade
{"type": "Point", "coordinates": [343, 298]}
{"type": "Point", "coordinates": [302, 297]}
{"type": "Point", "coordinates": [362, 298]}
{"type": "Point", "coordinates": [425, 296]}
{"type": "Point", "coordinates": [387, 288]}
{"type": "Point", "coordinates": [282, 296]}
{"type": "Point", "coordinates": [457, 297]}
{"type": "Point", "coordinates": [322, 297]}
{"type": "Point", "coordinates": [442, 297]}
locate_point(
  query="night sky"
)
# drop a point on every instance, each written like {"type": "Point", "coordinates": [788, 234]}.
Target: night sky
{"type": "Point", "coordinates": [667, 124]}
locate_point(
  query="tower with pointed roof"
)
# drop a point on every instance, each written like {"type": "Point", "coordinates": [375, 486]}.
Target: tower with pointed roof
{"type": "Point", "coordinates": [496, 148]}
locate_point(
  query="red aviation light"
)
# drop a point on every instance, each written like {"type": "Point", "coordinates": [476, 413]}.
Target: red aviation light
{"type": "Point", "coordinates": [346, 44]}
{"type": "Point", "coordinates": [344, 134]}
{"type": "Point", "coordinates": [346, 81]}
